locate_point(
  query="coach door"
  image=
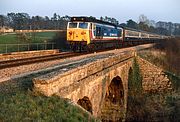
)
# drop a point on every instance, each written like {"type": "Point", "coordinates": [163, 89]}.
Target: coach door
{"type": "Point", "coordinates": [98, 32]}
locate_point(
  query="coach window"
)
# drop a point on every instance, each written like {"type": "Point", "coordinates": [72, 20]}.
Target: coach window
{"type": "Point", "coordinates": [83, 25]}
{"type": "Point", "coordinates": [72, 25]}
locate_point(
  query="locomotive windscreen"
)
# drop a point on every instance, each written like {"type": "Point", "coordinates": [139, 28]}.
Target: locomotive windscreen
{"type": "Point", "coordinates": [83, 25]}
{"type": "Point", "coordinates": [73, 25]}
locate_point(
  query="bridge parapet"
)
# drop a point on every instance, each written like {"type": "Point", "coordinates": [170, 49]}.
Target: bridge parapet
{"type": "Point", "coordinates": [53, 82]}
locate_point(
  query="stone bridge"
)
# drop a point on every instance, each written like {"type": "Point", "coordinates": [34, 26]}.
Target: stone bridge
{"type": "Point", "coordinates": [99, 86]}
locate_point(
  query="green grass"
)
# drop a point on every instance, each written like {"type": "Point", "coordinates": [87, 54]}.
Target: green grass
{"type": "Point", "coordinates": [29, 106]}
{"type": "Point", "coordinates": [19, 103]}
{"type": "Point", "coordinates": [6, 39]}
{"type": "Point", "coordinates": [35, 37]}
{"type": "Point", "coordinates": [38, 37]}
{"type": "Point", "coordinates": [47, 35]}
{"type": "Point", "coordinates": [135, 110]}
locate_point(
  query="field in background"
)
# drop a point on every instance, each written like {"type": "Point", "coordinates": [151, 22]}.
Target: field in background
{"type": "Point", "coordinates": [37, 37]}
{"type": "Point", "coordinates": [26, 41]}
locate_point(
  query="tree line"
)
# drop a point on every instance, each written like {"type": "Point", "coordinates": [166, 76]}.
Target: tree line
{"type": "Point", "coordinates": [143, 24]}
{"type": "Point", "coordinates": [145, 27]}
{"type": "Point", "coordinates": [149, 25]}
{"type": "Point", "coordinates": [23, 21]}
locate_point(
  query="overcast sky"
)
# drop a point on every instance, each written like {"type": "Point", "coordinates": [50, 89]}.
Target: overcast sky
{"type": "Point", "coordinates": [122, 10]}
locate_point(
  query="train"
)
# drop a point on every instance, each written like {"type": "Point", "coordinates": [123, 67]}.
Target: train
{"type": "Point", "coordinates": [89, 34]}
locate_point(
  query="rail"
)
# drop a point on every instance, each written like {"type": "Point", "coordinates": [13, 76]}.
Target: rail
{"type": "Point", "coordinates": [25, 61]}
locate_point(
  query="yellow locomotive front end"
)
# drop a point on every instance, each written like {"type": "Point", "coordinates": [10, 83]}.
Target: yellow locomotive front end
{"type": "Point", "coordinates": [78, 34]}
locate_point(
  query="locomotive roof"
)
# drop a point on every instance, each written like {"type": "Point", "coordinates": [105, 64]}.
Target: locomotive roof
{"type": "Point", "coordinates": [90, 19]}
{"type": "Point", "coordinates": [137, 30]}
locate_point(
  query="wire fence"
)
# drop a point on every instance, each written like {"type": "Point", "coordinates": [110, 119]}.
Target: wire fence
{"type": "Point", "coordinates": [8, 48]}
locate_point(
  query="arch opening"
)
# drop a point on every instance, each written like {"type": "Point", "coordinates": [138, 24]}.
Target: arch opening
{"type": "Point", "coordinates": [85, 103]}
{"type": "Point", "coordinates": [113, 105]}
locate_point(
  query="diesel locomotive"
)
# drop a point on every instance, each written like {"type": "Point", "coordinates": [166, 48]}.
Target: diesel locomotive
{"type": "Point", "coordinates": [87, 33]}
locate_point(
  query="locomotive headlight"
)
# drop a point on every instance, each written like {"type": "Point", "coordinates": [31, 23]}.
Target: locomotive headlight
{"type": "Point", "coordinates": [82, 33]}
{"type": "Point", "coordinates": [70, 32]}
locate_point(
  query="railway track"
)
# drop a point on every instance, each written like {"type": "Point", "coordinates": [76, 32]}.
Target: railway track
{"type": "Point", "coordinates": [30, 60]}
{"type": "Point", "coordinates": [38, 59]}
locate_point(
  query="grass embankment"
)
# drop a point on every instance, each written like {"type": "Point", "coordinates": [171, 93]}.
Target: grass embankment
{"type": "Point", "coordinates": [152, 107]}
{"type": "Point", "coordinates": [30, 107]}
{"type": "Point", "coordinates": [19, 103]}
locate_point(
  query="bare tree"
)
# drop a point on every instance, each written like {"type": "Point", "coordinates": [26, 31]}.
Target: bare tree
{"type": "Point", "coordinates": [144, 19]}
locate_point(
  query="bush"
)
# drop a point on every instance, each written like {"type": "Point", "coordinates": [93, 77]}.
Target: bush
{"type": "Point", "coordinates": [172, 51]}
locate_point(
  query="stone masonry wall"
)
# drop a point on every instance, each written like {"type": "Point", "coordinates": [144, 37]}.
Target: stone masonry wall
{"type": "Point", "coordinates": [91, 80]}
{"type": "Point", "coordinates": [154, 79]}
{"type": "Point", "coordinates": [54, 82]}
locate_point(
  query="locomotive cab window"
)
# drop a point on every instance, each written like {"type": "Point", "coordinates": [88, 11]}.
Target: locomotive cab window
{"type": "Point", "coordinates": [72, 25]}
{"type": "Point", "coordinates": [83, 25]}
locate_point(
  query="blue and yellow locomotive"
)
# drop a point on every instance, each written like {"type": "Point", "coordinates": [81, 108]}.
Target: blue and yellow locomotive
{"type": "Point", "coordinates": [87, 33]}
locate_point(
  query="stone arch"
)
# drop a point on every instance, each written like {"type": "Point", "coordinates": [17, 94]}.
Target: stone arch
{"type": "Point", "coordinates": [113, 104]}
{"type": "Point", "coordinates": [85, 103]}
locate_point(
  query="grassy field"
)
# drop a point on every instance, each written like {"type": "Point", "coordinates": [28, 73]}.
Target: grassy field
{"type": "Point", "coordinates": [37, 37]}
{"type": "Point", "coordinates": [10, 38]}
{"type": "Point", "coordinates": [24, 38]}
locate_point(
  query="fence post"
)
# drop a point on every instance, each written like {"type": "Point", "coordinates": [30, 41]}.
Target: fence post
{"type": "Point", "coordinates": [45, 46]}
{"type": "Point", "coordinates": [18, 47]}
{"type": "Point", "coordinates": [6, 48]}
{"type": "Point", "coordinates": [37, 46]}
{"type": "Point", "coordinates": [52, 45]}
{"type": "Point", "coordinates": [28, 46]}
